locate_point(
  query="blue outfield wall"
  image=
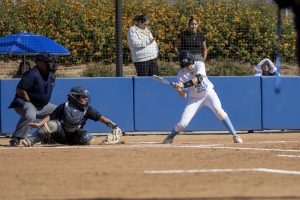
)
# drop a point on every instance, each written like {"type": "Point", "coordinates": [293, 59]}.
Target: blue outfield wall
{"type": "Point", "coordinates": [112, 97]}
{"type": "Point", "coordinates": [142, 104]}
{"type": "Point", "coordinates": [159, 108]}
{"type": "Point", "coordinates": [281, 110]}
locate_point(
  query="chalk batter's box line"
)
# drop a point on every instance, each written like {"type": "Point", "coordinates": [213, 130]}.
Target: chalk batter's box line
{"type": "Point", "coordinates": [159, 145]}
{"type": "Point", "coordinates": [193, 171]}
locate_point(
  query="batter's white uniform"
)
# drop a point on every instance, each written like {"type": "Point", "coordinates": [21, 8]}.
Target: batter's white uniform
{"type": "Point", "coordinates": [200, 95]}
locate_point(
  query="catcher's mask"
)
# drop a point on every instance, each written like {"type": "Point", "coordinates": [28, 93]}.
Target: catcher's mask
{"type": "Point", "coordinates": [51, 61]}
{"type": "Point", "coordinates": [76, 93]}
{"type": "Point", "coordinates": [186, 58]}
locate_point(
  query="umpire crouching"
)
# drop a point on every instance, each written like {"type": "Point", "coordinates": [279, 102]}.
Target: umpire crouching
{"type": "Point", "coordinates": [33, 94]}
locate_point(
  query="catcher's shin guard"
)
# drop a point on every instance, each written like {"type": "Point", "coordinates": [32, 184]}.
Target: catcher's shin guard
{"type": "Point", "coordinates": [31, 140]}
{"type": "Point", "coordinates": [86, 139]}
{"type": "Point", "coordinates": [47, 129]}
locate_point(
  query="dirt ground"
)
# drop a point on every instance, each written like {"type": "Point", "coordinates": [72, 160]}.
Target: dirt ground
{"type": "Point", "coordinates": [266, 166]}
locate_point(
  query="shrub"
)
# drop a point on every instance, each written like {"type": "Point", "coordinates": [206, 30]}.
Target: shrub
{"type": "Point", "coordinates": [228, 68]}
{"type": "Point", "coordinates": [236, 30]}
{"type": "Point", "coordinates": [96, 70]}
{"type": "Point", "coordinates": [168, 68]}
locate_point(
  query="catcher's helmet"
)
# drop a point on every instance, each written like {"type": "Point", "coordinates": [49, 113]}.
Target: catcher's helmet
{"type": "Point", "coordinates": [75, 94]}
{"type": "Point", "coordinates": [186, 58]}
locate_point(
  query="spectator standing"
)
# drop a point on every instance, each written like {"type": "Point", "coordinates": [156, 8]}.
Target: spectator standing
{"type": "Point", "coordinates": [33, 94]}
{"type": "Point", "coordinates": [192, 40]}
{"type": "Point", "coordinates": [143, 47]}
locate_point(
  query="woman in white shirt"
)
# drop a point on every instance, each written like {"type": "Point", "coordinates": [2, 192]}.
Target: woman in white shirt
{"type": "Point", "coordinates": [143, 47]}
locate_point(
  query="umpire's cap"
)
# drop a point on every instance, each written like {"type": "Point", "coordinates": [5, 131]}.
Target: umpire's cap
{"type": "Point", "coordinates": [186, 58]}
{"type": "Point", "coordinates": [45, 57]}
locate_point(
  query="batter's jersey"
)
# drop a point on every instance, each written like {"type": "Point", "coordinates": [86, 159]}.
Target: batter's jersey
{"type": "Point", "coordinates": [197, 90]}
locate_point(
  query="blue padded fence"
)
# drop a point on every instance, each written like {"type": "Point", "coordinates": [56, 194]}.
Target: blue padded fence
{"type": "Point", "coordinates": [159, 108]}
{"type": "Point", "coordinates": [142, 104]}
{"type": "Point", "coordinates": [112, 97]}
{"type": "Point", "coordinates": [282, 110]}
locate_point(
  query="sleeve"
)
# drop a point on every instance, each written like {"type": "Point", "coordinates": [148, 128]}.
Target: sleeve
{"type": "Point", "coordinates": [179, 77]}
{"type": "Point", "coordinates": [258, 71]}
{"type": "Point", "coordinates": [93, 114]}
{"type": "Point", "coordinates": [181, 80]}
{"type": "Point", "coordinates": [26, 81]}
{"type": "Point", "coordinates": [58, 112]}
{"type": "Point", "coordinates": [202, 37]}
{"type": "Point", "coordinates": [200, 68]}
{"type": "Point", "coordinates": [273, 68]}
{"type": "Point", "coordinates": [134, 40]}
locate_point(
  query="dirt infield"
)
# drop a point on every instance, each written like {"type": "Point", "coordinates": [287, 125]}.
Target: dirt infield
{"type": "Point", "coordinates": [266, 166]}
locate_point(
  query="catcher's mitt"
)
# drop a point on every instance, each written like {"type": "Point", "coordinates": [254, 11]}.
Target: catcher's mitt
{"type": "Point", "coordinates": [114, 137]}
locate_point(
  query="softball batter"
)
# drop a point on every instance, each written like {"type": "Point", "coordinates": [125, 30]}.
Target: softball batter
{"type": "Point", "coordinates": [192, 77]}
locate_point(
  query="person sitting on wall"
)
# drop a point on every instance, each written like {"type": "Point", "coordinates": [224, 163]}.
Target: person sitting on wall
{"type": "Point", "coordinates": [265, 68]}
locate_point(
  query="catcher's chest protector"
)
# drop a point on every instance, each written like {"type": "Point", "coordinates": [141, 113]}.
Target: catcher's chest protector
{"type": "Point", "coordinates": [73, 117]}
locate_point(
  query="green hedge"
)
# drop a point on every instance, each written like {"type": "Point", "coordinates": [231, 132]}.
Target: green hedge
{"type": "Point", "coordinates": [236, 30]}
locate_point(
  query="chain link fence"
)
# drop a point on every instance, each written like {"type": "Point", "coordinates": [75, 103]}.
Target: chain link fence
{"type": "Point", "coordinates": [238, 33]}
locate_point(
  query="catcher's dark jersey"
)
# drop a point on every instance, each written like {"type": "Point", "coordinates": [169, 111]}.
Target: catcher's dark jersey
{"type": "Point", "coordinates": [91, 113]}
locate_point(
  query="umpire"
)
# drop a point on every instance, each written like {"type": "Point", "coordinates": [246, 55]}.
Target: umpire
{"type": "Point", "coordinates": [33, 94]}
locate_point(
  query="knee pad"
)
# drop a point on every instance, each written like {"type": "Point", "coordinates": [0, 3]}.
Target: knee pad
{"type": "Point", "coordinates": [86, 139]}
{"type": "Point", "coordinates": [180, 127]}
{"type": "Point", "coordinates": [221, 114]}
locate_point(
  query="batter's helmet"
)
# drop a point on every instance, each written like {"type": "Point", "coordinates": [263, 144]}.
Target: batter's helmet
{"type": "Point", "coordinates": [186, 58]}
{"type": "Point", "coordinates": [75, 93]}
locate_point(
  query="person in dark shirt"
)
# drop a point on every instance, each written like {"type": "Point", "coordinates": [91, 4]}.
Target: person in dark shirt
{"type": "Point", "coordinates": [33, 94]}
{"type": "Point", "coordinates": [192, 40]}
{"type": "Point", "coordinates": [65, 124]}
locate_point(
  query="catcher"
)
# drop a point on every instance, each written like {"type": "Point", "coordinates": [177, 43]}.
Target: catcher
{"type": "Point", "coordinates": [65, 124]}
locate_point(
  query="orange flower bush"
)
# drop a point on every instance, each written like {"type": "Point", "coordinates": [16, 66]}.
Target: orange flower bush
{"type": "Point", "coordinates": [238, 30]}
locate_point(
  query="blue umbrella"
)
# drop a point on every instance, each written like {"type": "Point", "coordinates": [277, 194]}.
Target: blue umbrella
{"type": "Point", "coordinates": [30, 44]}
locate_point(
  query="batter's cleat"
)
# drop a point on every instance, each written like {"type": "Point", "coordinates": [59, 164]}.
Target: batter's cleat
{"type": "Point", "coordinates": [26, 142]}
{"type": "Point", "coordinates": [14, 142]}
{"type": "Point", "coordinates": [168, 140]}
{"type": "Point", "coordinates": [237, 139]}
